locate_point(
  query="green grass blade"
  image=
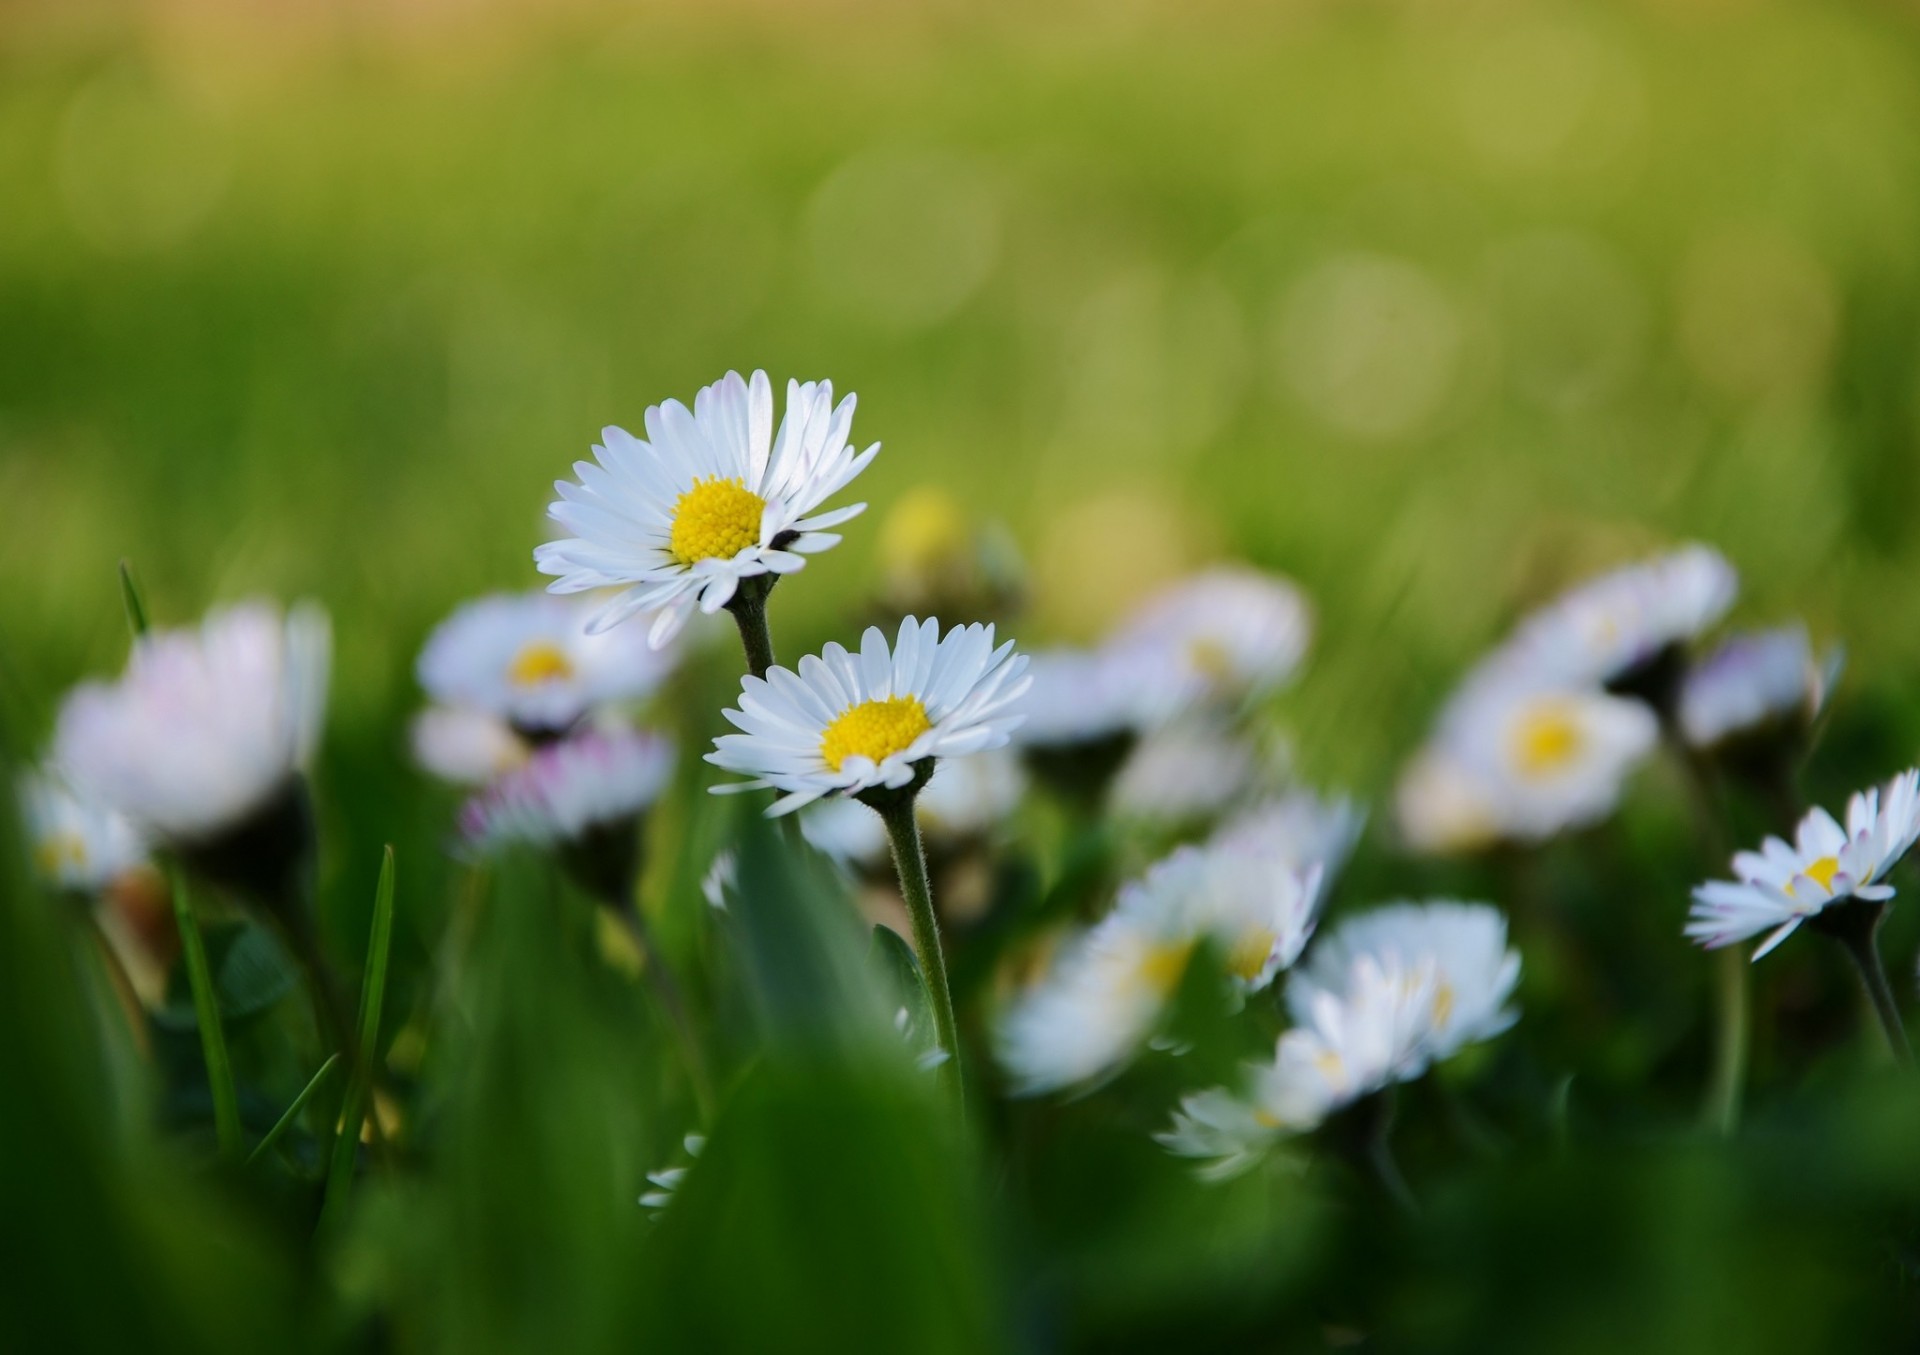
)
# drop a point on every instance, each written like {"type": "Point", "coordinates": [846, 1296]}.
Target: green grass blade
{"type": "Point", "coordinates": [206, 1011]}
{"type": "Point", "coordinates": [360, 1088]}
{"type": "Point", "coordinates": [285, 1122]}
{"type": "Point", "coordinates": [130, 595]}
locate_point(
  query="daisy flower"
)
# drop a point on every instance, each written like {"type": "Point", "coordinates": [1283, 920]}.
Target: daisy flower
{"type": "Point", "coordinates": [1299, 828]}
{"type": "Point", "coordinates": [1183, 773]}
{"type": "Point", "coordinates": [965, 799]}
{"type": "Point", "coordinates": [1229, 633]}
{"type": "Point", "coordinates": [527, 658]}
{"type": "Point", "coordinates": [1608, 628]}
{"type": "Point", "coordinates": [1781, 886]}
{"type": "Point", "coordinates": [1442, 808]}
{"type": "Point", "coordinates": [711, 496]}
{"type": "Point", "coordinates": [77, 845]}
{"type": "Point", "coordinates": [465, 747]}
{"type": "Point", "coordinates": [207, 728]}
{"type": "Point", "coordinates": [1753, 682]}
{"type": "Point", "coordinates": [566, 790]}
{"type": "Point", "coordinates": [1081, 697]}
{"type": "Point", "coordinates": [848, 723]}
{"type": "Point", "coordinates": [1108, 990]}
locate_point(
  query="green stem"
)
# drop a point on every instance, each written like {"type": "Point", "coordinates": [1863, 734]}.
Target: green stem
{"type": "Point", "coordinates": [910, 860]}
{"type": "Point", "coordinates": [285, 1122]}
{"type": "Point", "coordinates": [206, 1012]}
{"type": "Point", "coordinates": [749, 608]}
{"type": "Point", "coordinates": [1856, 926]}
{"type": "Point", "coordinates": [1379, 1151]}
{"type": "Point", "coordinates": [1730, 1041]}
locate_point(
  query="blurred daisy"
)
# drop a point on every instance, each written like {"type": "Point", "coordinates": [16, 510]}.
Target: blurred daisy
{"type": "Point", "coordinates": [207, 727]}
{"type": "Point", "coordinates": [711, 496]}
{"type": "Point", "coordinates": [1300, 828]}
{"type": "Point", "coordinates": [77, 845]}
{"type": "Point", "coordinates": [1606, 629]}
{"type": "Point", "coordinates": [568, 789]}
{"type": "Point", "coordinates": [851, 722]}
{"type": "Point", "coordinates": [1229, 633]}
{"type": "Point", "coordinates": [1184, 773]}
{"type": "Point", "coordinates": [466, 747]}
{"type": "Point", "coordinates": [1753, 682]}
{"type": "Point", "coordinates": [965, 799]}
{"type": "Point", "coordinates": [1081, 697]}
{"type": "Point", "coordinates": [527, 658]}
{"type": "Point", "coordinates": [1107, 992]}
{"type": "Point", "coordinates": [1781, 886]}
{"type": "Point", "coordinates": [1442, 808]}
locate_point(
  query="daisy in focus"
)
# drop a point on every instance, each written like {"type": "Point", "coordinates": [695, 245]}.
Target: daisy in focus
{"type": "Point", "coordinates": [1226, 634]}
{"type": "Point", "coordinates": [1105, 994]}
{"type": "Point", "coordinates": [1752, 685]}
{"type": "Point", "coordinates": [852, 723]}
{"type": "Point", "coordinates": [78, 846]}
{"type": "Point", "coordinates": [1826, 866]}
{"type": "Point", "coordinates": [527, 660]}
{"type": "Point", "coordinates": [711, 497]}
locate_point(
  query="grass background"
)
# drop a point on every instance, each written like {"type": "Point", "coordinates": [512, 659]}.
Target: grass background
{"type": "Point", "coordinates": [1433, 308]}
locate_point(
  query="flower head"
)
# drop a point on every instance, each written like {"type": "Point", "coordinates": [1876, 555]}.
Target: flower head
{"type": "Point", "coordinates": [567, 789]}
{"type": "Point", "coordinates": [1090, 696]}
{"type": "Point", "coordinates": [1106, 992]}
{"type": "Point", "coordinates": [1753, 682]}
{"type": "Point", "coordinates": [1185, 772]}
{"type": "Point", "coordinates": [1782, 885]}
{"type": "Point", "coordinates": [77, 844]}
{"type": "Point", "coordinates": [207, 726]}
{"type": "Point", "coordinates": [849, 722]}
{"type": "Point", "coordinates": [1226, 633]}
{"type": "Point", "coordinates": [466, 747]}
{"type": "Point", "coordinates": [527, 658]}
{"type": "Point", "coordinates": [1300, 828]}
{"type": "Point", "coordinates": [711, 496]}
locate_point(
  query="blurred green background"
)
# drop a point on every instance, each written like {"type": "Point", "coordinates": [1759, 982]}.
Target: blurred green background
{"type": "Point", "coordinates": [1432, 307]}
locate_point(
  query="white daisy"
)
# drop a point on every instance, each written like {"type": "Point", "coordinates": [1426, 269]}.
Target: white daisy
{"type": "Point", "coordinates": [527, 658]}
{"type": "Point", "coordinates": [1230, 632]}
{"type": "Point", "coordinates": [466, 747]}
{"type": "Point", "coordinates": [849, 722]}
{"type": "Point", "coordinates": [596, 778]}
{"type": "Point", "coordinates": [1104, 995]}
{"type": "Point", "coordinates": [1300, 828]}
{"type": "Point", "coordinates": [965, 799]}
{"type": "Point", "coordinates": [1442, 808]}
{"type": "Point", "coordinates": [1606, 628]}
{"type": "Point", "coordinates": [1188, 771]}
{"type": "Point", "coordinates": [1090, 696]}
{"type": "Point", "coordinates": [77, 845]}
{"type": "Point", "coordinates": [711, 496]}
{"type": "Point", "coordinates": [1753, 681]}
{"type": "Point", "coordinates": [1781, 886]}
{"type": "Point", "coordinates": [1527, 760]}
{"type": "Point", "coordinates": [1475, 969]}
{"type": "Point", "coordinates": [207, 725]}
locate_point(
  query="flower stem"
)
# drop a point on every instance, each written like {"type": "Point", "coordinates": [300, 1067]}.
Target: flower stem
{"type": "Point", "coordinates": [749, 608]}
{"type": "Point", "coordinates": [1379, 1151]}
{"type": "Point", "coordinates": [1856, 926]}
{"type": "Point", "coordinates": [206, 1012]}
{"type": "Point", "coordinates": [910, 860]}
{"type": "Point", "coordinates": [1730, 1041]}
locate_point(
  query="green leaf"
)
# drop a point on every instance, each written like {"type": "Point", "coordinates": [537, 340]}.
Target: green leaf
{"type": "Point", "coordinates": [251, 972]}
{"type": "Point", "coordinates": [359, 1090]}
{"type": "Point", "coordinates": [897, 972]}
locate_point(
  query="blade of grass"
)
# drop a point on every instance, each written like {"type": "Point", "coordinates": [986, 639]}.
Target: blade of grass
{"type": "Point", "coordinates": [130, 595]}
{"type": "Point", "coordinates": [360, 1087]}
{"type": "Point", "coordinates": [206, 1012]}
{"type": "Point", "coordinates": [285, 1122]}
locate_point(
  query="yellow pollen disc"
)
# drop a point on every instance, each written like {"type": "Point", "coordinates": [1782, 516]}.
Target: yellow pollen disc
{"type": "Point", "coordinates": [1162, 965]}
{"type": "Point", "coordinates": [874, 730]}
{"type": "Point", "coordinates": [716, 519]}
{"type": "Point", "coordinates": [1249, 955]}
{"type": "Point", "coordinates": [1443, 1004]}
{"type": "Point", "coordinates": [1212, 659]}
{"type": "Point", "coordinates": [1330, 1065]}
{"type": "Point", "coordinates": [1821, 872]}
{"type": "Point", "coordinates": [58, 851]}
{"type": "Point", "coordinates": [1546, 740]}
{"type": "Point", "coordinates": [539, 661]}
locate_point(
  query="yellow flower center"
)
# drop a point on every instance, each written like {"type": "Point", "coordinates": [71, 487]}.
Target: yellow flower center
{"type": "Point", "coordinates": [874, 730]}
{"type": "Point", "coordinates": [1249, 954]}
{"type": "Point", "coordinates": [539, 661]}
{"type": "Point", "coordinates": [1162, 965]}
{"type": "Point", "coordinates": [716, 519]}
{"type": "Point", "coordinates": [1213, 660]}
{"type": "Point", "coordinates": [1821, 872]}
{"type": "Point", "coordinates": [1443, 1004]}
{"type": "Point", "coordinates": [59, 851]}
{"type": "Point", "coordinates": [1547, 739]}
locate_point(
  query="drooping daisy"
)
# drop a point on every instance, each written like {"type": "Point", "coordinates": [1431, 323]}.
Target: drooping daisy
{"type": "Point", "coordinates": [1229, 632]}
{"type": "Point", "coordinates": [466, 747]}
{"type": "Point", "coordinates": [1183, 773]}
{"type": "Point", "coordinates": [1301, 828]}
{"type": "Point", "coordinates": [208, 727]}
{"type": "Point", "coordinates": [1752, 683]}
{"type": "Point", "coordinates": [1781, 886]}
{"type": "Point", "coordinates": [711, 496]}
{"type": "Point", "coordinates": [527, 658]}
{"type": "Point", "coordinates": [852, 722]}
{"type": "Point", "coordinates": [77, 845]}
{"type": "Point", "coordinates": [1607, 628]}
{"type": "Point", "coordinates": [965, 799]}
{"type": "Point", "coordinates": [565, 790]}
{"type": "Point", "coordinates": [1104, 995]}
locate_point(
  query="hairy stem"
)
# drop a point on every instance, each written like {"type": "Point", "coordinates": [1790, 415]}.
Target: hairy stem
{"type": "Point", "coordinates": [910, 860]}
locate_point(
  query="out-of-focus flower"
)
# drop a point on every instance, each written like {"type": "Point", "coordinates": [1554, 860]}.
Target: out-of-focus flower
{"type": "Point", "coordinates": [1607, 630]}
{"type": "Point", "coordinates": [466, 747]}
{"type": "Point", "coordinates": [1300, 828]}
{"type": "Point", "coordinates": [565, 790]}
{"type": "Point", "coordinates": [667, 1180]}
{"type": "Point", "coordinates": [965, 799]}
{"type": "Point", "coordinates": [935, 559]}
{"type": "Point", "coordinates": [527, 658]}
{"type": "Point", "coordinates": [1781, 886]}
{"type": "Point", "coordinates": [77, 845]}
{"type": "Point", "coordinates": [1516, 760]}
{"type": "Point", "coordinates": [712, 496]}
{"type": "Point", "coordinates": [1184, 773]}
{"type": "Point", "coordinates": [1081, 697]}
{"type": "Point", "coordinates": [848, 723]}
{"type": "Point", "coordinates": [1753, 683]}
{"type": "Point", "coordinates": [1107, 991]}
{"type": "Point", "coordinates": [1227, 633]}
{"type": "Point", "coordinates": [207, 728]}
